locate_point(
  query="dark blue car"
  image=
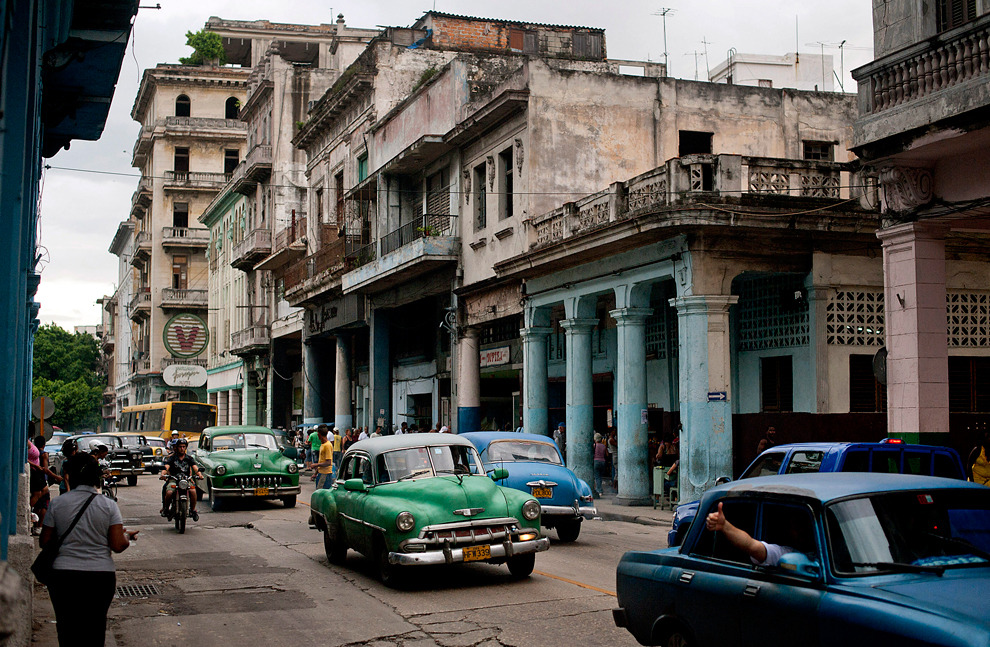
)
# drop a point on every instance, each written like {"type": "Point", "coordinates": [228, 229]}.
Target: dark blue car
{"type": "Point", "coordinates": [535, 467]}
{"type": "Point", "coordinates": [889, 457]}
{"type": "Point", "coordinates": [872, 559]}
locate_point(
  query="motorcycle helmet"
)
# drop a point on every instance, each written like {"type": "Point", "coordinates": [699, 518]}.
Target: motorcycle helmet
{"type": "Point", "coordinates": [96, 447]}
{"type": "Point", "coordinates": [182, 441]}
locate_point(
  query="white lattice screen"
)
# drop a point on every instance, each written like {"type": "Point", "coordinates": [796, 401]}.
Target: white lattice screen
{"type": "Point", "coordinates": [769, 314]}
{"type": "Point", "coordinates": [968, 319]}
{"type": "Point", "coordinates": [855, 318]}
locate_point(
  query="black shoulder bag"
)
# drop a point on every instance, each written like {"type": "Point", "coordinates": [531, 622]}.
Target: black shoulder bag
{"type": "Point", "coordinates": [44, 563]}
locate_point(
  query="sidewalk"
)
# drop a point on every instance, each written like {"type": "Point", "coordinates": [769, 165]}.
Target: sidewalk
{"type": "Point", "coordinates": [645, 515]}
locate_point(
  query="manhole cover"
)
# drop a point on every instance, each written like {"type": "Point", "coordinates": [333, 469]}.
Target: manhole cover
{"type": "Point", "coordinates": [136, 590]}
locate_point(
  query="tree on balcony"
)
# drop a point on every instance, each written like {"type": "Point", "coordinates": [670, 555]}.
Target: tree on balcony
{"type": "Point", "coordinates": [207, 46]}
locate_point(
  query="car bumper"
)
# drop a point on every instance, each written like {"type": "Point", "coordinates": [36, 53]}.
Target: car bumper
{"type": "Point", "coordinates": [500, 552]}
{"type": "Point", "coordinates": [587, 512]}
{"type": "Point", "coordinates": [273, 492]}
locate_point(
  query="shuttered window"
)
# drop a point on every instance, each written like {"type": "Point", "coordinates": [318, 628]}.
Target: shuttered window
{"type": "Point", "coordinates": [438, 193]}
{"type": "Point", "coordinates": [969, 384]}
{"type": "Point", "coordinates": [865, 393]}
{"type": "Point", "coordinates": [777, 383]}
{"type": "Point", "coordinates": [952, 13]}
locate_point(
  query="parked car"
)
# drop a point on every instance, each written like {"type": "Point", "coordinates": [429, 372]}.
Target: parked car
{"type": "Point", "coordinates": [888, 456]}
{"type": "Point", "coordinates": [876, 559]}
{"type": "Point", "coordinates": [535, 466]}
{"type": "Point", "coordinates": [421, 499]}
{"type": "Point", "coordinates": [159, 448]}
{"type": "Point", "coordinates": [125, 462]}
{"type": "Point", "coordinates": [244, 461]}
{"type": "Point", "coordinates": [152, 459]}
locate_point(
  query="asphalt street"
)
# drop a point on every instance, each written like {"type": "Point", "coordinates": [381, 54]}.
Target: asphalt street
{"type": "Point", "coordinates": [256, 574]}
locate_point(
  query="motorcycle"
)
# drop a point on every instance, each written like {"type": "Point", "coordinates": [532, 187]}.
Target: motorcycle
{"type": "Point", "coordinates": [110, 481]}
{"type": "Point", "coordinates": [178, 509]}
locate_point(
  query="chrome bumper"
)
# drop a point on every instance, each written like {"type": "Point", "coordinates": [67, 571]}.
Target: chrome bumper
{"type": "Point", "coordinates": [568, 511]}
{"type": "Point", "coordinates": [273, 492]}
{"type": "Point", "coordinates": [456, 555]}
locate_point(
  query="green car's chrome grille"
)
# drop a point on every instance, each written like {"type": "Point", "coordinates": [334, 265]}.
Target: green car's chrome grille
{"type": "Point", "coordinates": [482, 531]}
{"type": "Point", "coordinates": [257, 481]}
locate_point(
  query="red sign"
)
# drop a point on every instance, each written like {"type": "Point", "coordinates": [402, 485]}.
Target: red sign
{"type": "Point", "coordinates": [495, 356]}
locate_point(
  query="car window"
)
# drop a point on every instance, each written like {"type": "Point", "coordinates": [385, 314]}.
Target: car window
{"type": "Point", "coordinates": [364, 469]}
{"type": "Point", "coordinates": [945, 465]}
{"type": "Point", "coordinates": [347, 468]}
{"type": "Point", "coordinates": [885, 461]}
{"type": "Point", "coordinates": [917, 462]}
{"type": "Point", "coordinates": [766, 465]}
{"type": "Point", "coordinates": [857, 460]}
{"type": "Point", "coordinates": [742, 514]}
{"type": "Point", "coordinates": [523, 450]}
{"type": "Point", "coordinates": [804, 461]}
{"type": "Point", "coordinates": [789, 526]}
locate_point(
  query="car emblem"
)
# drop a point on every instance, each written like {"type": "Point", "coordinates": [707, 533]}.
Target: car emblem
{"type": "Point", "coordinates": [257, 466]}
{"type": "Point", "coordinates": [469, 512]}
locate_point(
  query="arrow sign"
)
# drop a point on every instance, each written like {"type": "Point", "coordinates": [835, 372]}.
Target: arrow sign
{"type": "Point", "coordinates": [717, 396]}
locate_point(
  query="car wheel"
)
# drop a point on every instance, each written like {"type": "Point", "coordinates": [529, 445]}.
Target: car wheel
{"type": "Point", "coordinates": [388, 573]}
{"type": "Point", "coordinates": [289, 501]}
{"type": "Point", "coordinates": [677, 639]}
{"type": "Point", "coordinates": [522, 566]}
{"type": "Point", "coordinates": [214, 499]}
{"type": "Point", "coordinates": [336, 550]}
{"type": "Point", "coordinates": [132, 480]}
{"type": "Point", "coordinates": [568, 531]}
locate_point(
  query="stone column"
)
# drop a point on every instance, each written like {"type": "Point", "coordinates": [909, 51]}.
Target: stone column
{"type": "Point", "coordinates": [706, 411]}
{"type": "Point", "coordinates": [380, 371]}
{"type": "Point", "coordinates": [579, 396]}
{"type": "Point", "coordinates": [469, 383]}
{"type": "Point", "coordinates": [234, 407]}
{"type": "Point", "coordinates": [312, 407]}
{"type": "Point", "coordinates": [223, 408]}
{"type": "Point", "coordinates": [630, 410]}
{"type": "Point", "coordinates": [915, 320]}
{"type": "Point", "coordinates": [342, 416]}
{"type": "Point", "coordinates": [535, 379]}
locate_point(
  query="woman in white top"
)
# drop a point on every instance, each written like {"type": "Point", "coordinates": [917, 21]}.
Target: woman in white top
{"type": "Point", "coordinates": [84, 579]}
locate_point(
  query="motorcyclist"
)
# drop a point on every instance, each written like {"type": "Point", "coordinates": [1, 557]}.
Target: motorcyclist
{"type": "Point", "coordinates": [100, 452]}
{"type": "Point", "coordinates": [170, 445]}
{"type": "Point", "coordinates": [179, 464]}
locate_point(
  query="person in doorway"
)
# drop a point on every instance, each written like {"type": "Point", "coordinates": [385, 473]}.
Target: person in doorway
{"type": "Point", "coordinates": [560, 437]}
{"type": "Point", "coordinates": [768, 440]}
{"type": "Point", "coordinates": [613, 452]}
{"type": "Point", "coordinates": [601, 466]}
{"type": "Point", "coordinates": [979, 461]}
{"type": "Point", "coordinates": [323, 468]}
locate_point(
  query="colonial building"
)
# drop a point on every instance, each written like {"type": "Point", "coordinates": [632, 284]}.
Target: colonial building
{"type": "Point", "coordinates": [924, 122]}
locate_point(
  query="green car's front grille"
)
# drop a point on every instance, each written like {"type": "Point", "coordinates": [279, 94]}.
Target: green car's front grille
{"type": "Point", "coordinates": [257, 481]}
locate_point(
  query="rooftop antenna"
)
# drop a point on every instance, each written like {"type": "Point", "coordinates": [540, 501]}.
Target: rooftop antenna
{"type": "Point", "coordinates": [663, 14]}
{"type": "Point", "coordinates": [707, 66]}
{"type": "Point", "coordinates": [842, 72]}
{"type": "Point", "coordinates": [696, 54]}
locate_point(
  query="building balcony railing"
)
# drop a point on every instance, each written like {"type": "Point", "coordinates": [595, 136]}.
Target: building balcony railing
{"type": "Point", "coordinates": [254, 247]}
{"type": "Point", "coordinates": [185, 237]}
{"type": "Point", "coordinates": [331, 259]}
{"type": "Point", "coordinates": [253, 339]}
{"type": "Point", "coordinates": [141, 199]}
{"type": "Point", "coordinates": [256, 167]}
{"type": "Point", "coordinates": [421, 227]}
{"type": "Point", "coordinates": [142, 248]}
{"type": "Point", "coordinates": [195, 180]}
{"type": "Point", "coordinates": [142, 146]}
{"type": "Point", "coordinates": [140, 304]}
{"type": "Point", "coordinates": [204, 123]}
{"type": "Point", "coordinates": [141, 366]}
{"type": "Point", "coordinates": [174, 298]}
{"type": "Point", "coordinates": [182, 361]}
{"type": "Point", "coordinates": [293, 233]}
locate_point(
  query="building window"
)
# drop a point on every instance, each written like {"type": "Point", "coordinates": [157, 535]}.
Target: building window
{"type": "Point", "coordinates": [502, 330]}
{"type": "Point", "coordinates": [362, 167]}
{"type": "Point", "coordinates": [505, 183]}
{"type": "Point", "coordinates": [338, 187]}
{"type": "Point", "coordinates": [521, 40]}
{"type": "Point", "coordinates": [818, 151]}
{"type": "Point", "coordinates": [969, 384]}
{"type": "Point", "coordinates": [866, 394]}
{"type": "Point", "coordinates": [438, 194]}
{"type": "Point", "coordinates": [231, 108]}
{"type": "Point", "coordinates": [776, 384]}
{"type": "Point", "coordinates": [588, 46]}
{"type": "Point", "coordinates": [231, 158]}
{"type": "Point", "coordinates": [692, 142]}
{"type": "Point", "coordinates": [182, 106]}
{"type": "Point", "coordinates": [180, 214]}
{"type": "Point", "coordinates": [480, 198]}
{"type": "Point", "coordinates": [319, 205]}
{"type": "Point", "coordinates": [952, 13]}
{"type": "Point", "coordinates": [765, 83]}
{"type": "Point", "coordinates": [181, 162]}
{"type": "Point", "coordinates": [180, 272]}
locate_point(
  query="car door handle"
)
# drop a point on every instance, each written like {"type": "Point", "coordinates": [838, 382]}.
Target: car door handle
{"type": "Point", "coordinates": [751, 590]}
{"type": "Point", "coordinates": [686, 577]}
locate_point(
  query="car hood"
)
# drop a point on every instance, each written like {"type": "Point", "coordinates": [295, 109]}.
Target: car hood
{"type": "Point", "coordinates": [245, 460]}
{"type": "Point", "coordinates": [960, 592]}
{"type": "Point", "coordinates": [568, 487]}
{"type": "Point", "coordinates": [434, 500]}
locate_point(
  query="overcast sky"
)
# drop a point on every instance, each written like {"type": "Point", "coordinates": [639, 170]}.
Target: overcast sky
{"type": "Point", "coordinates": [81, 208]}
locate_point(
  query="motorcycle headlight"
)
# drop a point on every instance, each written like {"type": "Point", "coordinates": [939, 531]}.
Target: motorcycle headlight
{"type": "Point", "coordinates": [221, 470]}
{"type": "Point", "coordinates": [405, 521]}
{"type": "Point", "coordinates": [183, 483]}
{"type": "Point", "coordinates": [293, 468]}
{"type": "Point", "coordinates": [531, 510]}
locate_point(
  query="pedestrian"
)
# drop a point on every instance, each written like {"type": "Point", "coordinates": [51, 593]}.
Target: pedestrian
{"type": "Point", "coordinates": [84, 581]}
{"type": "Point", "coordinates": [338, 450]}
{"type": "Point", "coordinates": [978, 463]}
{"type": "Point", "coordinates": [69, 449]}
{"type": "Point", "coordinates": [520, 429]}
{"type": "Point", "coordinates": [403, 428]}
{"type": "Point", "coordinates": [323, 468]}
{"type": "Point", "coordinates": [349, 439]}
{"type": "Point", "coordinates": [560, 437]}
{"type": "Point", "coordinates": [313, 448]}
{"type": "Point", "coordinates": [445, 429]}
{"type": "Point", "coordinates": [768, 440]}
{"type": "Point", "coordinates": [613, 452]}
{"type": "Point", "coordinates": [601, 467]}
{"type": "Point", "coordinates": [40, 473]}
{"type": "Point", "coordinates": [364, 434]}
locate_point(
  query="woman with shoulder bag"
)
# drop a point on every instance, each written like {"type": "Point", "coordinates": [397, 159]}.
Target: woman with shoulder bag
{"type": "Point", "coordinates": [83, 580]}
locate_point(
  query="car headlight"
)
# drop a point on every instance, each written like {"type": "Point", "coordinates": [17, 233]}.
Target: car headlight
{"type": "Point", "coordinates": [405, 521]}
{"type": "Point", "coordinates": [221, 470]}
{"type": "Point", "coordinates": [293, 468]}
{"type": "Point", "coordinates": [531, 510]}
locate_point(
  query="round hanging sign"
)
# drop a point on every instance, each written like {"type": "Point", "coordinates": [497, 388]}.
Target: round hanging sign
{"type": "Point", "coordinates": [186, 335]}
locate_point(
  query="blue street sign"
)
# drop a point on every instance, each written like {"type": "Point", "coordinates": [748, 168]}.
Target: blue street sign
{"type": "Point", "coordinates": [717, 396]}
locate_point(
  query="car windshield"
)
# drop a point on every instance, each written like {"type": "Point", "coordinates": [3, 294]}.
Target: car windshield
{"type": "Point", "coordinates": [423, 462]}
{"type": "Point", "coordinates": [156, 442]}
{"type": "Point", "coordinates": [243, 441]}
{"type": "Point", "coordinates": [924, 530]}
{"type": "Point", "coordinates": [523, 450]}
{"type": "Point", "coordinates": [89, 440]}
{"type": "Point", "coordinates": [130, 441]}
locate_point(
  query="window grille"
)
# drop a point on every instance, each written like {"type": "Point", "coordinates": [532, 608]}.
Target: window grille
{"type": "Point", "coordinates": [855, 318]}
{"type": "Point", "coordinates": [968, 315]}
{"type": "Point", "coordinates": [773, 312]}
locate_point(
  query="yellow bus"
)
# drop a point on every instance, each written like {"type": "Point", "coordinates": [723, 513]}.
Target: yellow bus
{"type": "Point", "coordinates": [162, 418]}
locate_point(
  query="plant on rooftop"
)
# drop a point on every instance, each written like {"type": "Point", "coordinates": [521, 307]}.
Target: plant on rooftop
{"type": "Point", "coordinates": [207, 46]}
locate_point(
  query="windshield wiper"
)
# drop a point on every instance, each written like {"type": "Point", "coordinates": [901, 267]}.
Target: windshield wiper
{"type": "Point", "coordinates": [901, 567]}
{"type": "Point", "coordinates": [961, 543]}
{"type": "Point", "coordinates": [414, 474]}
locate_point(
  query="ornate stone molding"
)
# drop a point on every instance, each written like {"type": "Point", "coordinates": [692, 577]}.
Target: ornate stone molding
{"type": "Point", "coordinates": [490, 163]}
{"type": "Point", "coordinates": [467, 186]}
{"type": "Point", "coordinates": [905, 188]}
{"type": "Point", "coordinates": [519, 156]}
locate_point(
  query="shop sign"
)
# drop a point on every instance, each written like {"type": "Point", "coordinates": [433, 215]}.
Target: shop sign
{"type": "Point", "coordinates": [495, 356]}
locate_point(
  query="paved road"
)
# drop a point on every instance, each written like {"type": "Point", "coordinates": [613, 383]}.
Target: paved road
{"type": "Point", "coordinates": [256, 574]}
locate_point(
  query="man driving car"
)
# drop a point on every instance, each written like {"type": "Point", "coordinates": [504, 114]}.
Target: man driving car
{"type": "Point", "coordinates": [179, 464]}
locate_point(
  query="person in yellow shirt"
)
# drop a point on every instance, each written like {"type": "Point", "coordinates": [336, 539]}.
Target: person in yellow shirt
{"type": "Point", "coordinates": [324, 465]}
{"type": "Point", "coordinates": [978, 463]}
{"type": "Point", "coordinates": [338, 449]}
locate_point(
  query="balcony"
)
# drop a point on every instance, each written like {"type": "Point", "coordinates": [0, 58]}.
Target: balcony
{"type": "Point", "coordinates": [142, 146]}
{"type": "Point", "coordinates": [182, 361]}
{"type": "Point", "coordinates": [184, 299]}
{"type": "Point", "coordinates": [253, 248]}
{"type": "Point", "coordinates": [423, 245]}
{"type": "Point", "coordinates": [289, 245]}
{"type": "Point", "coordinates": [185, 238]}
{"type": "Point", "coordinates": [251, 340]}
{"type": "Point", "coordinates": [141, 199]}
{"type": "Point", "coordinates": [256, 168]}
{"type": "Point", "coordinates": [194, 181]}
{"type": "Point", "coordinates": [140, 305]}
{"type": "Point", "coordinates": [933, 81]}
{"type": "Point", "coordinates": [314, 274]}
{"type": "Point", "coordinates": [142, 248]}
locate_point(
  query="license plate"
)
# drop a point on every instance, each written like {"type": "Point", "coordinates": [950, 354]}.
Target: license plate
{"type": "Point", "coordinates": [476, 553]}
{"type": "Point", "coordinates": [260, 491]}
{"type": "Point", "coordinates": [114, 472]}
{"type": "Point", "coordinates": [543, 492]}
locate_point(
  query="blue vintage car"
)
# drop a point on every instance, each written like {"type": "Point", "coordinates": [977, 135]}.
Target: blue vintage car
{"type": "Point", "coordinates": [887, 456]}
{"type": "Point", "coordinates": [873, 560]}
{"type": "Point", "coordinates": [535, 467]}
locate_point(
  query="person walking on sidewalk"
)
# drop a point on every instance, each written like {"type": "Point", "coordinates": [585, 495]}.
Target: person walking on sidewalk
{"type": "Point", "coordinates": [601, 465]}
{"type": "Point", "coordinates": [84, 580]}
{"type": "Point", "coordinates": [323, 468]}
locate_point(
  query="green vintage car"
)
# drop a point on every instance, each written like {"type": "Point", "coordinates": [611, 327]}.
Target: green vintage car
{"type": "Point", "coordinates": [421, 499]}
{"type": "Point", "coordinates": [244, 461]}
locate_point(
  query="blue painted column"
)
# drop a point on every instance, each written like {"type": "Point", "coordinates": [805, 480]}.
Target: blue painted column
{"type": "Point", "coordinates": [312, 407]}
{"type": "Point", "coordinates": [342, 417]}
{"type": "Point", "coordinates": [706, 410]}
{"type": "Point", "coordinates": [535, 379]}
{"type": "Point", "coordinates": [380, 370]}
{"type": "Point", "coordinates": [630, 363]}
{"type": "Point", "coordinates": [579, 396]}
{"type": "Point", "coordinates": [468, 383]}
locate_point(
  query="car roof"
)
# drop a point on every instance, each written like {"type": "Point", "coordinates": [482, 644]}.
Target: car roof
{"type": "Point", "coordinates": [826, 446]}
{"type": "Point", "coordinates": [381, 444]}
{"type": "Point", "coordinates": [236, 429]}
{"type": "Point", "coordinates": [484, 438]}
{"type": "Point", "coordinates": [828, 486]}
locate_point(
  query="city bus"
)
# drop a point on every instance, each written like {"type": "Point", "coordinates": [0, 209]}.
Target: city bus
{"type": "Point", "coordinates": [160, 419]}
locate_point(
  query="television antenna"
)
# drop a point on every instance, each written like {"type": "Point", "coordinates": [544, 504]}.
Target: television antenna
{"type": "Point", "coordinates": [842, 47]}
{"type": "Point", "coordinates": [662, 12]}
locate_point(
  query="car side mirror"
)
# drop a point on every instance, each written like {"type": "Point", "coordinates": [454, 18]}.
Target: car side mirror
{"type": "Point", "coordinates": [499, 474]}
{"type": "Point", "coordinates": [355, 485]}
{"type": "Point", "coordinates": [722, 480]}
{"type": "Point", "coordinates": [800, 564]}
